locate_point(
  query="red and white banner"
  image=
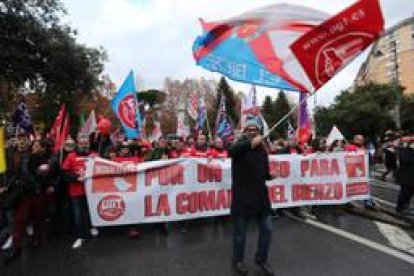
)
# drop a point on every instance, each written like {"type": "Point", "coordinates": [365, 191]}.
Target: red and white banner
{"type": "Point", "coordinates": [329, 47]}
{"type": "Point", "coordinates": [190, 188]}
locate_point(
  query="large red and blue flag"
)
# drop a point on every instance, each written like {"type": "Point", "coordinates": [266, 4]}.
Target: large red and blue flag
{"type": "Point", "coordinates": [254, 47]}
{"type": "Point", "coordinates": [125, 106]}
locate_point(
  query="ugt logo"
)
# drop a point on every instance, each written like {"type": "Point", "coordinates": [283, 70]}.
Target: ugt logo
{"type": "Point", "coordinates": [127, 111]}
{"type": "Point", "coordinates": [336, 53]}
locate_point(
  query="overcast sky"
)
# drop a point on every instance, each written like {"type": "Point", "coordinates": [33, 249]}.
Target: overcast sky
{"type": "Point", "coordinates": [154, 37]}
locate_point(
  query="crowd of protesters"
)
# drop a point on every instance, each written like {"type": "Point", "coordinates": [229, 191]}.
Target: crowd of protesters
{"type": "Point", "coordinates": [42, 188]}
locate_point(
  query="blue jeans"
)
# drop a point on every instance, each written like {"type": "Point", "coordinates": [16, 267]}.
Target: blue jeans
{"type": "Point", "coordinates": [239, 237]}
{"type": "Point", "coordinates": [81, 220]}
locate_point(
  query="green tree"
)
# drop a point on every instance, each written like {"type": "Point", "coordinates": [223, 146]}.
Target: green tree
{"type": "Point", "coordinates": [231, 102]}
{"type": "Point", "coordinates": [281, 108]}
{"type": "Point", "coordinates": [41, 52]}
{"type": "Point", "coordinates": [268, 111]}
{"type": "Point", "coordinates": [365, 110]}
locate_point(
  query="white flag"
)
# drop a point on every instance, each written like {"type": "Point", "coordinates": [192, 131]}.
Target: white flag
{"type": "Point", "coordinates": [291, 132]}
{"type": "Point", "coordinates": [182, 129]}
{"type": "Point", "coordinates": [90, 124]}
{"type": "Point", "coordinates": [157, 132]}
{"type": "Point", "coordinates": [335, 134]}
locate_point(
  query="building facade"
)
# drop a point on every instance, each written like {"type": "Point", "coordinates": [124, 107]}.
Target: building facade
{"type": "Point", "coordinates": [391, 58]}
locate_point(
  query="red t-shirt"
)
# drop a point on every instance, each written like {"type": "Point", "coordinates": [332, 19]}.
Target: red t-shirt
{"type": "Point", "coordinates": [199, 153]}
{"type": "Point", "coordinates": [187, 152]}
{"type": "Point", "coordinates": [353, 148]}
{"type": "Point", "coordinates": [129, 159]}
{"type": "Point", "coordinates": [75, 164]}
{"type": "Point", "coordinates": [174, 154]}
{"type": "Point", "coordinates": [215, 153]}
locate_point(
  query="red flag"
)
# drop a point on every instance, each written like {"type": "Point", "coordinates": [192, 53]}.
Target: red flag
{"type": "Point", "coordinates": [57, 125]}
{"type": "Point", "coordinates": [329, 47]}
{"type": "Point", "coordinates": [62, 136]}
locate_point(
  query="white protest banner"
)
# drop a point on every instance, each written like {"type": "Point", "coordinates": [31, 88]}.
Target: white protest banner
{"type": "Point", "coordinates": [189, 188]}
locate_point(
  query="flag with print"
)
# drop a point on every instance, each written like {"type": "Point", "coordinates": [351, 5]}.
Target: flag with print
{"type": "Point", "coordinates": [57, 124]}
{"type": "Point", "coordinates": [182, 129]}
{"type": "Point", "coordinates": [254, 46]}
{"type": "Point", "coordinates": [202, 115]}
{"type": "Point", "coordinates": [62, 136]}
{"type": "Point", "coordinates": [329, 47]}
{"type": "Point", "coordinates": [2, 152]}
{"type": "Point", "coordinates": [125, 107]}
{"type": "Point", "coordinates": [22, 118]}
{"type": "Point", "coordinates": [249, 108]}
{"type": "Point", "coordinates": [224, 128]}
{"type": "Point", "coordinates": [90, 124]}
{"type": "Point", "coordinates": [192, 108]}
{"type": "Point", "coordinates": [291, 132]}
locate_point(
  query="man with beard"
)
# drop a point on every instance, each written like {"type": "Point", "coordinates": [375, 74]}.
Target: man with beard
{"type": "Point", "coordinates": [201, 149]}
{"type": "Point", "coordinates": [74, 167]}
{"type": "Point", "coordinates": [250, 170]}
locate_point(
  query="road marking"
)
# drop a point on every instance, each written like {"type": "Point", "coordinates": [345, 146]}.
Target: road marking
{"type": "Point", "coordinates": [379, 247]}
{"type": "Point", "coordinates": [397, 237]}
{"type": "Point", "coordinates": [383, 201]}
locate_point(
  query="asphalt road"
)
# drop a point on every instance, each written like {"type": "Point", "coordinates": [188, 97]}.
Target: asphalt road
{"type": "Point", "coordinates": [337, 243]}
{"type": "Point", "coordinates": [298, 248]}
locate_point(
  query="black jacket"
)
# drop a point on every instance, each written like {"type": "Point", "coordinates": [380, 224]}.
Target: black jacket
{"type": "Point", "coordinates": [250, 170]}
{"type": "Point", "coordinates": [405, 174]}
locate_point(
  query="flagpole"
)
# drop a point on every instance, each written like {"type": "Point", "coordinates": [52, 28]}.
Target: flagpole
{"type": "Point", "coordinates": [208, 125]}
{"type": "Point", "coordinates": [293, 109]}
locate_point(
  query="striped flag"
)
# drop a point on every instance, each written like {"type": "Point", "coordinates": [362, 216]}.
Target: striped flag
{"type": "Point", "coordinates": [57, 125]}
{"type": "Point", "coordinates": [62, 136]}
{"type": "Point", "coordinates": [193, 106]}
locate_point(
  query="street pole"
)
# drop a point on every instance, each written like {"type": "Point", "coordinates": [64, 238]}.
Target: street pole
{"type": "Point", "coordinates": [393, 45]}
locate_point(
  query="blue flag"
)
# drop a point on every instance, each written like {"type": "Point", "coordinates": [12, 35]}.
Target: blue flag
{"type": "Point", "coordinates": [202, 115]}
{"type": "Point", "coordinates": [224, 128]}
{"type": "Point", "coordinates": [22, 118]}
{"type": "Point", "coordinates": [125, 106]}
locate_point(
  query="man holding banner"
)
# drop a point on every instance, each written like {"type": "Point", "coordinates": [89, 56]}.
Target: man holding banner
{"type": "Point", "coordinates": [250, 170]}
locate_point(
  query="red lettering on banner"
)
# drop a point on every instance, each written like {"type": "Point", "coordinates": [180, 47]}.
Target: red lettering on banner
{"type": "Point", "coordinates": [358, 188]}
{"type": "Point", "coordinates": [203, 201]}
{"type": "Point", "coordinates": [163, 206]}
{"type": "Point", "coordinates": [279, 169]}
{"type": "Point", "coordinates": [327, 191]}
{"type": "Point", "coordinates": [277, 193]}
{"type": "Point", "coordinates": [169, 175]}
{"type": "Point", "coordinates": [319, 167]}
{"type": "Point", "coordinates": [209, 173]}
